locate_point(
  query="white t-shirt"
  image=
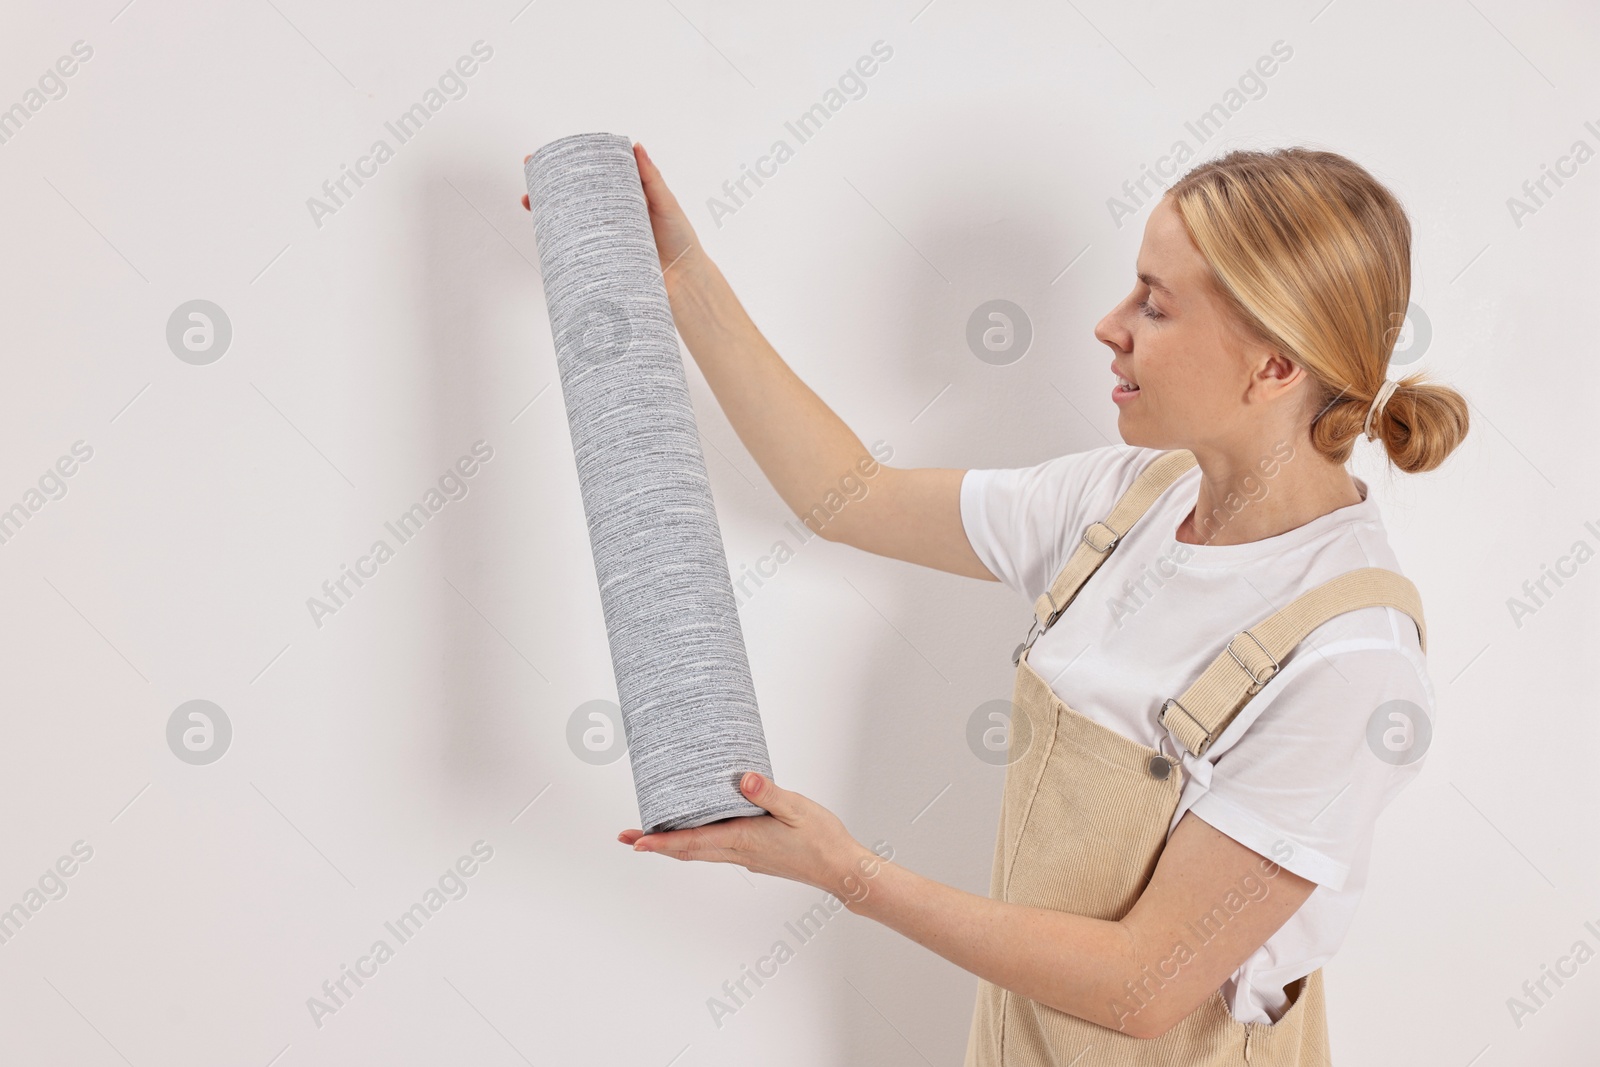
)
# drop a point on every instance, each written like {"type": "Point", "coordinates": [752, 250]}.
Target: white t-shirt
{"type": "Point", "coordinates": [1294, 776]}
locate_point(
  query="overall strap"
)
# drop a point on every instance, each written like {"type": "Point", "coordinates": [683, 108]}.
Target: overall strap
{"type": "Point", "coordinates": [1254, 655]}
{"type": "Point", "coordinates": [1099, 538]}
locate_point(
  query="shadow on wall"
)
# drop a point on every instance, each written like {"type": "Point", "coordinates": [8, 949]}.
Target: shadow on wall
{"type": "Point", "coordinates": [917, 781]}
{"type": "Point", "coordinates": [918, 786]}
{"type": "Point", "coordinates": [944, 650]}
{"type": "Point", "coordinates": [496, 691]}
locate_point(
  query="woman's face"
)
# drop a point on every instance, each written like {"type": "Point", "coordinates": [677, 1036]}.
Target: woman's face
{"type": "Point", "coordinates": [1196, 372]}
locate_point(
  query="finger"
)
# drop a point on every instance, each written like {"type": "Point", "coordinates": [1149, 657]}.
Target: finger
{"type": "Point", "coordinates": [705, 837]}
{"type": "Point", "coordinates": [703, 855]}
{"type": "Point", "coordinates": [761, 790]}
{"type": "Point", "coordinates": [628, 837]}
{"type": "Point", "coordinates": [655, 186]}
{"type": "Point", "coordinates": [525, 205]}
{"type": "Point", "coordinates": [527, 157]}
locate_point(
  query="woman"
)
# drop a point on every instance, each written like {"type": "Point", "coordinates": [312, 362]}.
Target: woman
{"type": "Point", "coordinates": [1200, 748]}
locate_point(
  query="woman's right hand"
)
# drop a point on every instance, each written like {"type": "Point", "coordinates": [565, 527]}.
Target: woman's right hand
{"type": "Point", "coordinates": [802, 446]}
{"type": "Point", "coordinates": [676, 242]}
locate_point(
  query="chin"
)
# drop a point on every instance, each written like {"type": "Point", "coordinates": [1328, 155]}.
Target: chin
{"type": "Point", "coordinates": [1140, 436]}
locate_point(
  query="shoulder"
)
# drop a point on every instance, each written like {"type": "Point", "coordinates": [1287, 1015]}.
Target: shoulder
{"type": "Point", "coordinates": [1304, 771]}
{"type": "Point", "coordinates": [1361, 542]}
{"type": "Point", "coordinates": [1351, 663]}
{"type": "Point", "coordinates": [1366, 664]}
{"type": "Point", "coordinates": [1022, 520]}
{"type": "Point", "coordinates": [1089, 478]}
{"type": "Point", "coordinates": [1351, 675]}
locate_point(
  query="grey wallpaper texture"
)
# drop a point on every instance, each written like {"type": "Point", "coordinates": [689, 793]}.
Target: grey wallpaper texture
{"type": "Point", "coordinates": [683, 679]}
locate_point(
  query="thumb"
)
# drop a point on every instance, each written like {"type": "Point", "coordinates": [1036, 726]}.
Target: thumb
{"type": "Point", "coordinates": [675, 236]}
{"type": "Point", "coordinates": [778, 801]}
{"type": "Point", "coordinates": [655, 186]}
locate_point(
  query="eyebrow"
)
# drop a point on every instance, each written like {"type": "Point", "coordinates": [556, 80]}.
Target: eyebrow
{"type": "Point", "coordinates": [1153, 282]}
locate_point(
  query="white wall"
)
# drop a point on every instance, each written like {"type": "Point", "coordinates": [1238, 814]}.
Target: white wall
{"type": "Point", "coordinates": [371, 351]}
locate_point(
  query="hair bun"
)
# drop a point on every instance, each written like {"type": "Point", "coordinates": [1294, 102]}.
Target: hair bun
{"type": "Point", "coordinates": [1420, 422]}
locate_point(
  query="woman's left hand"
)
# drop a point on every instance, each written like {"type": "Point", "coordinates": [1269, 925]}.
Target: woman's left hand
{"type": "Point", "coordinates": [798, 839]}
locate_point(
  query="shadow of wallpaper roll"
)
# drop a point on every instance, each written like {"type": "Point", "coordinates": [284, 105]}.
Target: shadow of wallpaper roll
{"type": "Point", "coordinates": [683, 680]}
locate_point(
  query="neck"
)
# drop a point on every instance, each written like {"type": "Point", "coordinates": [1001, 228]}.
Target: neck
{"type": "Point", "coordinates": [1249, 497]}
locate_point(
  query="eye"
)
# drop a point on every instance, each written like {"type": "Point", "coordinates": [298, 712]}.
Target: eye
{"type": "Point", "coordinates": [1148, 309]}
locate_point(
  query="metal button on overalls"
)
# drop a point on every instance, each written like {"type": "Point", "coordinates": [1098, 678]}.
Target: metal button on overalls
{"type": "Point", "coordinates": [1085, 813]}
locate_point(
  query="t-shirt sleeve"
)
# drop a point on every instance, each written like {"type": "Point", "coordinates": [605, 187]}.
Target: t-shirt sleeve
{"type": "Point", "coordinates": [1022, 521]}
{"type": "Point", "coordinates": [1342, 734]}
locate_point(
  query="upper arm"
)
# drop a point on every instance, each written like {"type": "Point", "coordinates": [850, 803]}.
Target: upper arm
{"type": "Point", "coordinates": [913, 514]}
{"type": "Point", "coordinates": [1204, 880]}
{"type": "Point", "coordinates": [1023, 518]}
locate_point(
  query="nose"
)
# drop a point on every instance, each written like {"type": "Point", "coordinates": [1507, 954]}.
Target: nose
{"type": "Point", "coordinates": [1111, 331]}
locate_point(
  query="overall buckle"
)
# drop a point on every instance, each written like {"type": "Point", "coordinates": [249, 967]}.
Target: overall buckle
{"type": "Point", "coordinates": [1259, 679]}
{"type": "Point", "coordinates": [1161, 717]}
{"type": "Point", "coordinates": [1034, 631]}
{"type": "Point", "coordinates": [1109, 545]}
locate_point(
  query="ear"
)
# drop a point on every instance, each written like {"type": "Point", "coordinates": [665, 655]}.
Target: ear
{"type": "Point", "coordinates": [1281, 368]}
{"type": "Point", "coordinates": [1274, 374]}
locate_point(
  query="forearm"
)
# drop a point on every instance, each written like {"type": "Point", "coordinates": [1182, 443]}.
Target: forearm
{"type": "Point", "coordinates": [800, 444]}
{"type": "Point", "coordinates": [1066, 961]}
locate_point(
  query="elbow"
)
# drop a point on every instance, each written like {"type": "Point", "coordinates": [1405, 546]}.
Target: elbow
{"type": "Point", "coordinates": [841, 526]}
{"type": "Point", "coordinates": [1154, 1017]}
{"type": "Point", "coordinates": [1148, 1015]}
{"type": "Point", "coordinates": [1146, 1028]}
{"type": "Point", "coordinates": [847, 512]}
{"type": "Point", "coordinates": [1143, 1006]}
{"type": "Point", "coordinates": [1144, 1023]}
{"type": "Point", "coordinates": [827, 530]}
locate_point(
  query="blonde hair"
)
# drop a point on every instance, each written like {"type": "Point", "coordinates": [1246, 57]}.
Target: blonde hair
{"type": "Point", "coordinates": [1313, 256]}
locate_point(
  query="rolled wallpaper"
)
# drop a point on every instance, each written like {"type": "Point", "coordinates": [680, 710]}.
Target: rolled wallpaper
{"type": "Point", "coordinates": [683, 680]}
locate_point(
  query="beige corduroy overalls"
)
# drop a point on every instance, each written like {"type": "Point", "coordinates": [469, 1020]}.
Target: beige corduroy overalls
{"type": "Point", "coordinates": [1085, 815]}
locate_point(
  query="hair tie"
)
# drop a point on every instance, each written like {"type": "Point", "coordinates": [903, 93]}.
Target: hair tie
{"type": "Point", "coordinates": [1387, 390]}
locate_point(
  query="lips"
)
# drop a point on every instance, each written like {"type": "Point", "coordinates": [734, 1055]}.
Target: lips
{"type": "Point", "coordinates": [1125, 384]}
